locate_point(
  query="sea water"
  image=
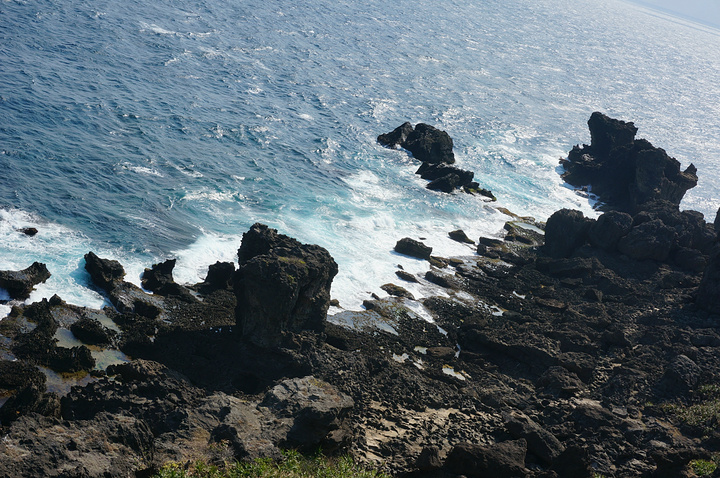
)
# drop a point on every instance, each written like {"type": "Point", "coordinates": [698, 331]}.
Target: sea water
{"type": "Point", "coordinates": [165, 129]}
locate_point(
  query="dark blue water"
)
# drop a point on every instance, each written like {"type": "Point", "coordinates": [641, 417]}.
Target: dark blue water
{"type": "Point", "coordinates": [145, 130]}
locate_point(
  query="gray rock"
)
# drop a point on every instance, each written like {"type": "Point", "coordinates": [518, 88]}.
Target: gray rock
{"type": "Point", "coordinates": [501, 460]}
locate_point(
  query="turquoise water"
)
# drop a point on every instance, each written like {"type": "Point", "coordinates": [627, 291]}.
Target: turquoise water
{"type": "Point", "coordinates": [148, 130]}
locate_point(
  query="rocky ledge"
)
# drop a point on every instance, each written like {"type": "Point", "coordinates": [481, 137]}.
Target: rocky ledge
{"type": "Point", "coordinates": [577, 348]}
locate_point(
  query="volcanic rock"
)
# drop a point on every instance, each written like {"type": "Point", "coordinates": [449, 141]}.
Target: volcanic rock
{"type": "Point", "coordinates": [397, 291]}
{"type": "Point", "coordinates": [649, 240]}
{"type": "Point", "coordinates": [413, 248]}
{"type": "Point", "coordinates": [281, 285]}
{"type": "Point", "coordinates": [460, 236]}
{"type": "Point", "coordinates": [220, 276]}
{"type": "Point", "coordinates": [540, 442]}
{"type": "Point", "coordinates": [159, 280]}
{"type": "Point", "coordinates": [626, 173]}
{"type": "Point", "coordinates": [19, 284]}
{"type": "Point", "coordinates": [708, 295]}
{"type": "Point", "coordinates": [105, 273]}
{"type": "Point", "coordinates": [91, 332]}
{"type": "Point", "coordinates": [128, 298]}
{"type": "Point", "coordinates": [427, 143]}
{"type": "Point", "coordinates": [607, 230]}
{"type": "Point", "coordinates": [397, 136]}
{"type": "Point", "coordinates": [565, 231]}
{"type": "Point", "coordinates": [501, 460]}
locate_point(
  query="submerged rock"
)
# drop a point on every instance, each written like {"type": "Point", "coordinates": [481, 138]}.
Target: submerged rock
{"type": "Point", "coordinates": [281, 285]}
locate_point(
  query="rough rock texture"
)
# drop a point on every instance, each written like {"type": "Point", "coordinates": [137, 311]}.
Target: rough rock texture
{"type": "Point", "coordinates": [708, 295]}
{"type": "Point", "coordinates": [413, 248]}
{"type": "Point", "coordinates": [565, 231]}
{"type": "Point", "coordinates": [19, 284]}
{"type": "Point", "coordinates": [281, 285]}
{"type": "Point", "coordinates": [434, 148]}
{"type": "Point", "coordinates": [159, 280]}
{"type": "Point", "coordinates": [427, 143]}
{"type": "Point", "coordinates": [576, 358]}
{"type": "Point", "coordinates": [626, 173]}
{"type": "Point", "coordinates": [502, 460]}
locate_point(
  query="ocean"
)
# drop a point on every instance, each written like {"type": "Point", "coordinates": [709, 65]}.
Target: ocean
{"type": "Point", "coordinates": [165, 129]}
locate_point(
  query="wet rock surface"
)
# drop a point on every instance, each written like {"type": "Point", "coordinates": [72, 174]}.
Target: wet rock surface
{"type": "Point", "coordinates": [434, 148]}
{"type": "Point", "coordinates": [576, 348]}
{"type": "Point", "coordinates": [626, 173]}
{"type": "Point", "coordinates": [19, 284]}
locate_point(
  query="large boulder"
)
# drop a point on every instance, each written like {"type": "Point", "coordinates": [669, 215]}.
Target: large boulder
{"type": "Point", "coordinates": [219, 276]}
{"type": "Point", "coordinates": [413, 248]}
{"type": "Point", "coordinates": [105, 273]}
{"type": "Point", "coordinates": [397, 136]}
{"type": "Point", "coordinates": [159, 280]}
{"type": "Point", "coordinates": [427, 143]}
{"type": "Point", "coordinates": [19, 284]}
{"type": "Point", "coordinates": [626, 173]}
{"type": "Point", "coordinates": [540, 442]}
{"type": "Point", "coordinates": [565, 231]}
{"type": "Point", "coordinates": [649, 240]}
{"type": "Point", "coordinates": [609, 228]}
{"type": "Point", "coordinates": [505, 459]}
{"type": "Point", "coordinates": [312, 410]}
{"type": "Point", "coordinates": [281, 285]}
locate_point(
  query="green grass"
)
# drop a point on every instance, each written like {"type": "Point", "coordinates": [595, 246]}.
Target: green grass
{"type": "Point", "coordinates": [704, 413]}
{"type": "Point", "coordinates": [293, 465]}
{"type": "Point", "coordinates": [703, 467]}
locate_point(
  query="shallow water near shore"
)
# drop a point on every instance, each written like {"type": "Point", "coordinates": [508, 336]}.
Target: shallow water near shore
{"type": "Point", "coordinates": [147, 131]}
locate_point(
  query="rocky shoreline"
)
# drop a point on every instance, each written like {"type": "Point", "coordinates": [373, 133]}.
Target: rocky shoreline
{"type": "Point", "coordinates": [575, 348]}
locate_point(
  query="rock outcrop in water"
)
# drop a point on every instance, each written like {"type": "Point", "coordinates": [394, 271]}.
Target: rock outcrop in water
{"type": "Point", "coordinates": [19, 284]}
{"type": "Point", "coordinates": [426, 143]}
{"type": "Point", "coordinates": [434, 148]}
{"type": "Point", "coordinates": [579, 348]}
{"type": "Point", "coordinates": [624, 172]}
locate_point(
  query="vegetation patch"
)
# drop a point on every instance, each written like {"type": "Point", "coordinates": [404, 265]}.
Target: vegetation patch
{"type": "Point", "coordinates": [293, 465]}
{"type": "Point", "coordinates": [703, 467]}
{"type": "Point", "coordinates": [703, 413]}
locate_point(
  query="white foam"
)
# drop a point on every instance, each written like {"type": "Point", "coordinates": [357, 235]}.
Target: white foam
{"type": "Point", "coordinates": [141, 169]}
{"type": "Point", "coordinates": [61, 249]}
{"type": "Point", "coordinates": [151, 27]}
{"type": "Point", "coordinates": [193, 262]}
{"type": "Point", "coordinates": [4, 311]}
{"type": "Point", "coordinates": [209, 195]}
